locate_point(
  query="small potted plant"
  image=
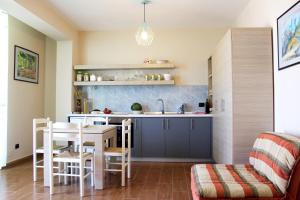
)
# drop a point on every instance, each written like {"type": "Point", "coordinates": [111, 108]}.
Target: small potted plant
{"type": "Point", "coordinates": [136, 108]}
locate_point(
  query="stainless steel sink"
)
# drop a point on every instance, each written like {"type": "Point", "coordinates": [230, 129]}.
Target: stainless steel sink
{"type": "Point", "coordinates": [159, 113]}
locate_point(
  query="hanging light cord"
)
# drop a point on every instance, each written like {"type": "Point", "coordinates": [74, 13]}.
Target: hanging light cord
{"type": "Point", "coordinates": [144, 11]}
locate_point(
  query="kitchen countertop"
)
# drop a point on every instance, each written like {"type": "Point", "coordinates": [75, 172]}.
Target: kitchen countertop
{"type": "Point", "coordinates": [148, 114]}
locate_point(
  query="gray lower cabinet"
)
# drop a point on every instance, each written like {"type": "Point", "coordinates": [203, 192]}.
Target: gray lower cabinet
{"type": "Point", "coordinates": [153, 140]}
{"type": "Point", "coordinates": [137, 137]}
{"type": "Point", "coordinates": [177, 137]}
{"type": "Point", "coordinates": [201, 138]}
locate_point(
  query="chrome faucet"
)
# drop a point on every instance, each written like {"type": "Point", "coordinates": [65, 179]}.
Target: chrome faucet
{"type": "Point", "coordinates": [162, 106]}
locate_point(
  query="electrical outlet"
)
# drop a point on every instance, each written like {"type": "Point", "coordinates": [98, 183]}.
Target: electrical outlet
{"type": "Point", "coordinates": [17, 146]}
{"type": "Point", "coordinates": [201, 104]}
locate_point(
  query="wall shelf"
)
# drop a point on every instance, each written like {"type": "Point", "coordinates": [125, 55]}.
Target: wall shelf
{"type": "Point", "coordinates": [163, 82]}
{"type": "Point", "coordinates": [124, 66]}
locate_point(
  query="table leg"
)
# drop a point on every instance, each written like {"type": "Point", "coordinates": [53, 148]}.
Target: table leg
{"type": "Point", "coordinates": [99, 161]}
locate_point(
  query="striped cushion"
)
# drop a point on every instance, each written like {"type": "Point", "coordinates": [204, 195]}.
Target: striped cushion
{"type": "Point", "coordinates": [274, 156]}
{"type": "Point", "coordinates": [230, 181]}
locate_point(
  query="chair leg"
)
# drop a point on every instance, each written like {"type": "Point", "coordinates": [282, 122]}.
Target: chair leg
{"type": "Point", "coordinates": [129, 166]}
{"type": "Point", "coordinates": [59, 170]}
{"type": "Point", "coordinates": [81, 171]}
{"type": "Point", "coordinates": [65, 171]}
{"type": "Point", "coordinates": [123, 171]}
{"type": "Point", "coordinates": [34, 166]}
{"type": "Point", "coordinates": [51, 179]}
{"type": "Point", "coordinates": [92, 172]}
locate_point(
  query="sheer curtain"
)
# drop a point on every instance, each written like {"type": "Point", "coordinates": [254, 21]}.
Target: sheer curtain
{"type": "Point", "coordinates": [3, 86]}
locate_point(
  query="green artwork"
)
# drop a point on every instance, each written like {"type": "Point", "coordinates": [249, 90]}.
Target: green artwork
{"type": "Point", "coordinates": [26, 65]}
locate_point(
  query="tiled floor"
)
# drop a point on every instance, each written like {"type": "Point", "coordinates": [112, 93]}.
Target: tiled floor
{"type": "Point", "coordinates": [149, 181]}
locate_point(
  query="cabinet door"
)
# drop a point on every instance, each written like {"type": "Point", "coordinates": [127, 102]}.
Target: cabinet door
{"type": "Point", "coordinates": [153, 142]}
{"type": "Point", "coordinates": [137, 137]}
{"type": "Point", "coordinates": [177, 137]}
{"type": "Point", "coordinates": [200, 138]}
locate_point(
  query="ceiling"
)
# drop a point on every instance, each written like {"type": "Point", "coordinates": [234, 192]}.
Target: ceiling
{"type": "Point", "coordinates": [94, 15]}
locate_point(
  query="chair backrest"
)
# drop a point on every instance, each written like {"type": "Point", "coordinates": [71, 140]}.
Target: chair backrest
{"type": "Point", "coordinates": [126, 131]}
{"type": "Point", "coordinates": [38, 125]}
{"type": "Point", "coordinates": [92, 120]}
{"type": "Point", "coordinates": [274, 156]}
{"type": "Point", "coordinates": [63, 127]}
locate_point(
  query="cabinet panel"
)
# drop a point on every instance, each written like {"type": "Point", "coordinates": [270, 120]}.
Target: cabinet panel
{"type": "Point", "coordinates": [153, 141]}
{"type": "Point", "coordinates": [137, 151]}
{"type": "Point", "coordinates": [177, 137]}
{"type": "Point", "coordinates": [200, 138]}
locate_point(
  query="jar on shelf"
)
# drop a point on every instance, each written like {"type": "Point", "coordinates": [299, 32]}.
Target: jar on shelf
{"type": "Point", "coordinates": [86, 77]}
{"type": "Point", "coordinates": [93, 77]}
{"type": "Point", "coordinates": [79, 76]}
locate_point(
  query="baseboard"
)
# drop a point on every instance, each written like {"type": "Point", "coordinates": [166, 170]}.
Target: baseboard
{"type": "Point", "coordinates": [192, 160]}
{"type": "Point", "coordinates": [17, 162]}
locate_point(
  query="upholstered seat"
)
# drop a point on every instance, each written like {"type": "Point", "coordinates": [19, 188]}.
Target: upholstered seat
{"type": "Point", "coordinates": [231, 181]}
{"type": "Point", "coordinates": [272, 160]}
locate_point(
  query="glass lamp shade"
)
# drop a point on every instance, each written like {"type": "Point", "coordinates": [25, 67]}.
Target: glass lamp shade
{"type": "Point", "coordinates": [144, 36]}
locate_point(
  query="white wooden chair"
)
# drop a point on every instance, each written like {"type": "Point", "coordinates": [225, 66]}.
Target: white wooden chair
{"type": "Point", "coordinates": [38, 127]}
{"type": "Point", "coordinates": [79, 158]}
{"type": "Point", "coordinates": [122, 152]}
{"type": "Point", "coordinates": [90, 146]}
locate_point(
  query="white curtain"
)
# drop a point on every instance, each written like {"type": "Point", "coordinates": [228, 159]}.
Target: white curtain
{"type": "Point", "coordinates": [3, 86]}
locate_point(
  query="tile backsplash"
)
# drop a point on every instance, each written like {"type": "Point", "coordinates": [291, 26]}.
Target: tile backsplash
{"type": "Point", "coordinates": [120, 98]}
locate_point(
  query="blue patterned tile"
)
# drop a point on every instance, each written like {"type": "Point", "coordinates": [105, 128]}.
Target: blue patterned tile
{"type": "Point", "coordinates": [120, 98]}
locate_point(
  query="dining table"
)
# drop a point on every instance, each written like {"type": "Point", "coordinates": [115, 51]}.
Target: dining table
{"type": "Point", "coordinates": [97, 134]}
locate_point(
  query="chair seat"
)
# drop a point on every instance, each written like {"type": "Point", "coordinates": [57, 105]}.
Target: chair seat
{"type": "Point", "coordinates": [114, 151]}
{"type": "Point", "coordinates": [71, 157]}
{"type": "Point", "coordinates": [230, 181]}
{"type": "Point", "coordinates": [56, 149]}
{"type": "Point", "coordinates": [88, 144]}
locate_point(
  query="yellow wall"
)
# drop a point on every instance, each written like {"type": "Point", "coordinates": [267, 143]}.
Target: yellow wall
{"type": "Point", "coordinates": [25, 100]}
{"type": "Point", "coordinates": [189, 49]}
{"type": "Point", "coordinates": [50, 78]}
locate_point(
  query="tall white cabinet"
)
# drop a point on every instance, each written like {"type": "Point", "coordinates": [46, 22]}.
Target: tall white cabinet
{"type": "Point", "coordinates": [242, 92]}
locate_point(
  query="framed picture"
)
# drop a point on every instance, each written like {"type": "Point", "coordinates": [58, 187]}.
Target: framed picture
{"type": "Point", "coordinates": [26, 65]}
{"type": "Point", "coordinates": [288, 36]}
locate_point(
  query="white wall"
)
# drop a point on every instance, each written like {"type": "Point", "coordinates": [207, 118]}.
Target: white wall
{"type": "Point", "coordinates": [25, 100]}
{"type": "Point", "coordinates": [50, 78]}
{"type": "Point", "coordinates": [264, 13]}
{"type": "Point", "coordinates": [64, 78]}
{"type": "Point", "coordinates": [189, 49]}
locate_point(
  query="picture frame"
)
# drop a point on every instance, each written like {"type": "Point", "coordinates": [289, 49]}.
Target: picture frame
{"type": "Point", "coordinates": [288, 32]}
{"type": "Point", "coordinates": [26, 65]}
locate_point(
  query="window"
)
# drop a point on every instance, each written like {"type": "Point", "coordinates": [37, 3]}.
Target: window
{"type": "Point", "coordinates": [3, 86]}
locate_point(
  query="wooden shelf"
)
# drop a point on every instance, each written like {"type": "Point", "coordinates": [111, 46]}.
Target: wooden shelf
{"type": "Point", "coordinates": [171, 82]}
{"type": "Point", "coordinates": [124, 66]}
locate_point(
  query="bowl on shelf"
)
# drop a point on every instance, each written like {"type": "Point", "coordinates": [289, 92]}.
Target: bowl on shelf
{"type": "Point", "coordinates": [167, 77]}
{"type": "Point", "coordinates": [161, 61]}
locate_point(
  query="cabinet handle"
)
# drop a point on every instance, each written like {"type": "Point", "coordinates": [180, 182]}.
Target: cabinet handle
{"type": "Point", "coordinates": [167, 124]}
{"type": "Point", "coordinates": [192, 124]}
{"type": "Point", "coordinates": [135, 121]}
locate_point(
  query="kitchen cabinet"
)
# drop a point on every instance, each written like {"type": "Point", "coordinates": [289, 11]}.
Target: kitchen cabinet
{"type": "Point", "coordinates": [242, 92]}
{"type": "Point", "coordinates": [177, 137]}
{"type": "Point", "coordinates": [153, 140]}
{"type": "Point", "coordinates": [137, 137]}
{"type": "Point", "coordinates": [200, 138]}
{"type": "Point", "coordinates": [169, 137]}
